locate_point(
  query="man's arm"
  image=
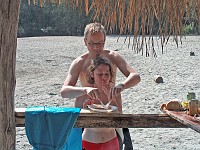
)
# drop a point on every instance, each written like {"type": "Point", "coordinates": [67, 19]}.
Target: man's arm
{"type": "Point", "coordinates": [69, 90]}
{"type": "Point", "coordinates": [133, 77]}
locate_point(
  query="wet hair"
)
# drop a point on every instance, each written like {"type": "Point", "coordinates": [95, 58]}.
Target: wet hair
{"type": "Point", "coordinates": [93, 28]}
{"type": "Point", "coordinates": [94, 64]}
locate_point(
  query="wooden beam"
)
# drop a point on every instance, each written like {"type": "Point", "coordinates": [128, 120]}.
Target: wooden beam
{"type": "Point", "coordinates": [87, 119]}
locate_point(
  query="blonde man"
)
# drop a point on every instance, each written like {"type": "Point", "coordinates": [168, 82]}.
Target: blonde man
{"type": "Point", "coordinates": [94, 38]}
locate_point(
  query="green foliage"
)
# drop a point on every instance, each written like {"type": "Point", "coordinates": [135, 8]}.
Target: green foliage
{"type": "Point", "coordinates": [20, 31]}
{"type": "Point", "coordinates": [50, 20]}
{"type": "Point", "coordinates": [188, 29]}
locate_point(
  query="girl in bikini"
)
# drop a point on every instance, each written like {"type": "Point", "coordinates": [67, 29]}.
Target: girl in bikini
{"type": "Point", "coordinates": [100, 75]}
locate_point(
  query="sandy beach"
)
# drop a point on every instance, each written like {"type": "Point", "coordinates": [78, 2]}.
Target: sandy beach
{"type": "Point", "coordinates": [42, 64]}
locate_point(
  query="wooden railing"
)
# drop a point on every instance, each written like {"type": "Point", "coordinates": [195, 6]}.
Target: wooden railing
{"type": "Point", "coordinates": [87, 119]}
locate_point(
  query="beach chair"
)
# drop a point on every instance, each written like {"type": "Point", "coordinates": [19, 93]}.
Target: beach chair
{"type": "Point", "coordinates": [51, 128]}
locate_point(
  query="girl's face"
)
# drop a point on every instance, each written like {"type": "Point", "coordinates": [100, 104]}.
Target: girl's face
{"type": "Point", "coordinates": [102, 75]}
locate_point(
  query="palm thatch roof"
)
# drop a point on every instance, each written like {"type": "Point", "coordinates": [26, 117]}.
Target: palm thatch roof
{"type": "Point", "coordinates": [137, 17]}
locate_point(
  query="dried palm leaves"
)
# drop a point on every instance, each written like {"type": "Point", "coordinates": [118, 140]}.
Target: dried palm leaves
{"type": "Point", "coordinates": [137, 17]}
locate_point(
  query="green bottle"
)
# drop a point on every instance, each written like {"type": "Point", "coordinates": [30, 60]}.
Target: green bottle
{"type": "Point", "coordinates": [191, 95]}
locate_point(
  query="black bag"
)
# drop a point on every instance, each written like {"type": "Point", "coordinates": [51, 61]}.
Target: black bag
{"type": "Point", "coordinates": [127, 140]}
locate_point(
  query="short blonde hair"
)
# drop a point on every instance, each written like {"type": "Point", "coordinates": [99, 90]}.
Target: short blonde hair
{"type": "Point", "coordinates": [93, 28]}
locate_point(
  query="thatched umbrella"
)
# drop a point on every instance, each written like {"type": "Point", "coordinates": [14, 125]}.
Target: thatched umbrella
{"type": "Point", "coordinates": [124, 15]}
{"type": "Point", "coordinates": [137, 17]}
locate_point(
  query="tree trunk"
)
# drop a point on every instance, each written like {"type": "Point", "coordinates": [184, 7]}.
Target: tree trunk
{"type": "Point", "coordinates": [9, 12]}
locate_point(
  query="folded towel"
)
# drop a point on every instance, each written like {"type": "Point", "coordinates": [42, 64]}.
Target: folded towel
{"type": "Point", "coordinates": [48, 128]}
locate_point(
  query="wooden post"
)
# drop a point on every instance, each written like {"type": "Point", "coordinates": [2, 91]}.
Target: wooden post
{"type": "Point", "coordinates": [9, 12]}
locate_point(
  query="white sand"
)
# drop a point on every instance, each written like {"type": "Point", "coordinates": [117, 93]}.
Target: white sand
{"type": "Point", "coordinates": [42, 64]}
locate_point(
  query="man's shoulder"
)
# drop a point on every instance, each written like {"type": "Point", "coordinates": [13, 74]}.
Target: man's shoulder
{"type": "Point", "coordinates": [81, 58]}
{"type": "Point", "coordinates": [110, 53]}
{"type": "Point", "coordinates": [115, 57]}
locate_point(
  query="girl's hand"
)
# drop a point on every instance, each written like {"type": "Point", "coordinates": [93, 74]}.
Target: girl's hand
{"type": "Point", "coordinates": [88, 102]}
{"type": "Point", "coordinates": [112, 91]}
{"type": "Point", "coordinates": [93, 93]}
{"type": "Point", "coordinates": [115, 91]}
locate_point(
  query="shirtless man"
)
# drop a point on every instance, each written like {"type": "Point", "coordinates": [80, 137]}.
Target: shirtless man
{"type": "Point", "coordinates": [94, 38]}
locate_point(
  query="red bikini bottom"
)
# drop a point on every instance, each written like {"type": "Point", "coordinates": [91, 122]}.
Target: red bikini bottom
{"type": "Point", "coordinates": [110, 145]}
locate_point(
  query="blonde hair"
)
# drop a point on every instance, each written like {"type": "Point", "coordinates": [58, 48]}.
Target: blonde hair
{"type": "Point", "coordinates": [93, 28]}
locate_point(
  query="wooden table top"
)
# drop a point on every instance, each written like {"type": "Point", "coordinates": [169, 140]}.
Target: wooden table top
{"type": "Point", "coordinates": [181, 116]}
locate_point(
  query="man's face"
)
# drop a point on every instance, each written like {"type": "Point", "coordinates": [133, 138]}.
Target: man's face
{"type": "Point", "coordinates": [95, 43]}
